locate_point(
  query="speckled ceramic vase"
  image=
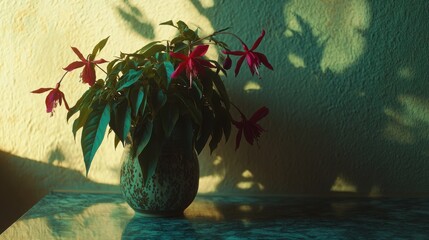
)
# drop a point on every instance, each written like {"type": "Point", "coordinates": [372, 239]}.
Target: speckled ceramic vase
{"type": "Point", "coordinates": [174, 185]}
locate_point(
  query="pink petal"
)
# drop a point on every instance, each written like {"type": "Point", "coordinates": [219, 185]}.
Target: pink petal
{"type": "Point", "coordinates": [239, 62]}
{"type": "Point", "coordinates": [100, 61]}
{"type": "Point", "coordinates": [79, 55]}
{"type": "Point", "coordinates": [65, 102]}
{"type": "Point", "coordinates": [235, 53]}
{"type": "Point", "coordinates": [41, 90]}
{"type": "Point", "coordinates": [60, 99]}
{"type": "Point", "coordinates": [258, 41]}
{"type": "Point", "coordinates": [50, 101]}
{"type": "Point", "coordinates": [259, 114]}
{"type": "Point", "coordinates": [199, 51]}
{"type": "Point", "coordinates": [248, 133]}
{"type": "Point", "coordinates": [72, 66]}
{"type": "Point", "coordinates": [88, 74]}
{"type": "Point", "coordinates": [251, 61]}
{"type": "Point", "coordinates": [179, 56]}
{"type": "Point", "coordinates": [179, 70]}
{"type": "Point", "coordinates": [264, 60]}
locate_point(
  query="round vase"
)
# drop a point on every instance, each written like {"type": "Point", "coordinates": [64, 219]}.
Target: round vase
{"type": "Point", "coordinates": [174, 184]}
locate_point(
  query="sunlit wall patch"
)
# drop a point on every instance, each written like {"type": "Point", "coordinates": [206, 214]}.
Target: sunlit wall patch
{"type": "Point", "coordinates": [409, 122]}
{"type": "Point", "coordinates": [252, 86]}
{"type": "Point", "coordinates": [336, 24]}
{"type": "Point", "coordinates": [296, 60]}
{"type": "Point", "coordinates": [343, 185]}
{"type": "Point", "coordinates": [406, 73]}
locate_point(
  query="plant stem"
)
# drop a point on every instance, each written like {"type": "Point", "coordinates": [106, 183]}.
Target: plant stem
{"type": "Point", "coordinates": [100, 68]}
{"type": "Point", "coordinates": [62, 77]}
{"type": "Point", "coordinates": [238, 109]}
{"type": "Point", "coordinates": [215, 33]}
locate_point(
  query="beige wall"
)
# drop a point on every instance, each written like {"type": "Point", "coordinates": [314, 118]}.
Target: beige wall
{"type": "Point", "coordinates": [348, 97]}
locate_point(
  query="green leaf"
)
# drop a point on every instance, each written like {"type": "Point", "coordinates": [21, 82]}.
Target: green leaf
{"type": "Point", "coordinates": [93, 132]}
{"type": "Point", "coordinates": [142, 136]}
{"type": "Point", "coordinates": [149, 157]}
{"type": "Point", "coordinates": [147, 46]}
{"type": "Point", "coordinates": [159, 100]}
{"type": "Point", "coordinates": [152, 50]}
{"type": "Point", "coordinates": [221, 88]}
{"type": "Point", "coordinates": [117, 140]}
{"type": "Point", "coordinates": [178, 39]}
{"type": "Point", "coordinates": [182, 26]}
{"type": "Point", "coordinates": [169, 69]}
{"type": "Point", "coordinates": [198, 86]}
{"type": "Point", "coordinates": [136, 98]}
{"type": "Point", "coordinates": [81, 120]}
{"type": "Point", "coordinates": [98, 48]}
{"type": "Point", "coordinates": [83, 102]}
{"type": "Point", "coordinates": [219, 67]}
{"type": "Point", "coordinates": [225, 122]}
{"type": "Point", "coordinates": [128, 79]}
{"type": "Point", "coordinates": [164, 71]}
{"type": "Point", "coordinates": [205, 129]}
{"type": "Point", "coordinates": [75, 108]}
{"type": "Point", "coordinates": [216, 135]}
{"type": "Point", "coordinates": [144, 103]}
{"type": "Point", "coordinates": [110, 65]}
{"type": "Point", "coordinates": [222, 30]}
{"type": "Point", "coordinates": [179, 45]}
{"type": "Point", "coordinates": [147, 52]}
{"type": "Point", "coordinates": [123, 119]}
{"type": "Point", "coordinates": [192, 109]}
{"type": "Point", "coordinates": [120, 119]}
{"type": "Point", "coordinates": [169, 115]}
{"type": "Point", "coordinates": [168, 23]}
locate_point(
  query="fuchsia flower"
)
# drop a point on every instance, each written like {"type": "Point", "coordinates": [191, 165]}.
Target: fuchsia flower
{"type": "Point", "coordinates": [254, 59]}
{"type": "Point", "coordinates": [193, 64]}
{"type": "Point", "coordinates": [54, 96]}
{"type": "Point", "coordinates": [251, 129]}
{"type": "Point", "coordinates": [88, 73]}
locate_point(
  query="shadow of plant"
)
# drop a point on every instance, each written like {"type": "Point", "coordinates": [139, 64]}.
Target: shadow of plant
{"type": "Point", "coordinates": [56, 156]}
{"type": "Point", "coordinates": [136, 20]}
{"type": "Point", "coordinates": [326, 124]}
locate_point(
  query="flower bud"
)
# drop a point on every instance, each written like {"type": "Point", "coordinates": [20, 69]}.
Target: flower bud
{"type": "Point", "coordinates": [227, 63]}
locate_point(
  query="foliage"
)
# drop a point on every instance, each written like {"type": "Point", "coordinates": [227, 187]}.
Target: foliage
{"type": "Point", "coordinates": [144, 93]}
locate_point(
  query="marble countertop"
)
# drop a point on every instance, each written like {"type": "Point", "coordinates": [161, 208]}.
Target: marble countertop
{"type": "Point", "coordinates": [62, 215]}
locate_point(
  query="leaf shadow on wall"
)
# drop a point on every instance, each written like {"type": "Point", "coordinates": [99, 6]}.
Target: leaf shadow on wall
{"type": "Point", "coordinates": [136, 20]}
{"type": "Point", "coordinates": [24, 181]}
{"type": "Point", "coordinates": [334, 122]}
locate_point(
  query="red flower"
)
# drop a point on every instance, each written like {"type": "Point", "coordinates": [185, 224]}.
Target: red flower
{"type": "Point", "coordinates": [54, 96]}
{"type": "Point", "coordinates": [193, 64]}
{"type": "Point", "coordinates": [251, 129]}
{"type": "Point", "coordinates": [254, 59]}
{"type": "Point", "coordinates": [88, 73]}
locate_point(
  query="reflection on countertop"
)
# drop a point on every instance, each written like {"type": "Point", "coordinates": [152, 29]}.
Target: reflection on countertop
{"type": "Point", "coordinates": [65, 215]}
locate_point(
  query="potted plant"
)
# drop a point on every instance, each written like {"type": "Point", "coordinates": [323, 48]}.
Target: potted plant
{"type": "Point", "coordinates": [164, 103]}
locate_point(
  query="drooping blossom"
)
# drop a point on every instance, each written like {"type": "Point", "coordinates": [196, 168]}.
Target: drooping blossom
{"type": "Point", "coordinates": [54, 97]}
{"type": "Point", "coordinates": [192, 64]}
{"type": "Point", "coordinates": [250, 127]}
{"type": "Point", "coordinates": [227, 63]}
{"type": "Point", "coordinates": [254, 59]}
{"type": "Point", "coordinates": [88, 73]}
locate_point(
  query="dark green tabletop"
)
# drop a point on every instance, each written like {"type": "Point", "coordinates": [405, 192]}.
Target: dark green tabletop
{"type": "Point", "coordinates": [62, 215]}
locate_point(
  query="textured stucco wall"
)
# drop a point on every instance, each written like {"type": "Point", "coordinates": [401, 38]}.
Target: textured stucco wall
{"type": "Point", "coordinates": [348, 97]}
